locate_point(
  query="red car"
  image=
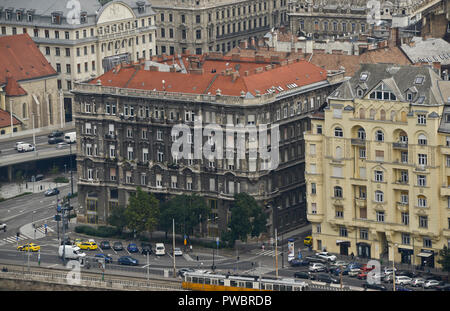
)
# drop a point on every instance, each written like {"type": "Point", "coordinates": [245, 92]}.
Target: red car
{"type": "Point", "coordinates": [362, 275]}
{"type": "Point", "coordinates": [365, 268]}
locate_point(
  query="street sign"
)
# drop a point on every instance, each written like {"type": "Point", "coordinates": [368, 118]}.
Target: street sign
{"type": "Point", "coordinates": [58, 208]}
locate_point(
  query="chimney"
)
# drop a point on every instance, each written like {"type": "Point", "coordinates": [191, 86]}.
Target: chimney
{"type": "Point", "coordinates": [218, 92]}
{"type": "Point", "coordinates": [437, 66]}
{"type": "Point", "coordinates": [290, 61]}
{"type": "Point", "coordinates": [243, 44]}
{"type": "Point", "coordinates": [283, 63]}
{"type": "Point", "coordinates": [228, 71]}
{"type": "Point", "coordinates": [259, 69]}
{"type": "Point", "coordinates": [154, 68]}
{"type": "Point", "coordinates": [172, 69]}
{"type": "Point", "coordinates": [235, 57]}
{"type": "Point", "coordinates": [246, 73]}
{"type": "Point", "coordinates": [275, 58]}
{"type": "Point", "coordinates": [268, 67]}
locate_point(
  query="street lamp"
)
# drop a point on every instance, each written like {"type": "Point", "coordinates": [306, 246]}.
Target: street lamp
{"type": "Point", "coordinates": [393, 266]}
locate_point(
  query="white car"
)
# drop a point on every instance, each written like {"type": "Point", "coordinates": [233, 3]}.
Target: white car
{"type": "Point", "coordinates": [402, 280]}
{"type": "Point", "coordinates": [177, 252]}
{"type": "Point", "coordinates": [327, 256]}
{"type": "Point", "coordinates": [25, 147]}
{"type": "Point", "coordinates": [317, 267]}
{"type": "Point", "coordinates": [340, 263]}
{"type": "Point", "coordinates": [431, 283]}
{"type": "Point", "coordinates": [417, 282]}
{"type": "Point", "coordinates": [354, 272]}
{"type": "Point", "coordinates": [388, 271]}
{"type": "Point", "coordinates": [18, 143]}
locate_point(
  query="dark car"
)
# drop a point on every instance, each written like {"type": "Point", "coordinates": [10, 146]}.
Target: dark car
{"type": "Point", "coordinates": [298, 262]}
{"type": "Point", "coordinates": [182, 271]}
{"type": "Point", "coordinates": [108, 259]}
{"type": "Point", "coordinates": [443, 287]}
{"type": "Point", "coordinates": [302, 275]}
{"type": "Point", "coordinates": [326, 278]}
{"type": "Point", "coordinates": [132, 248]}
{"type": "Point", "coordinates": [432, 277]}
{"type": "Point", "coordinates": [402, 289]}
{"type": "Point", "coordinates": [38, 177]}
{"type": "Point", "coordinates": [375, 286]}
{"type": "Point", "coordinates": [146, 248]}
{"type": "Point", "coordinates": [55, 140]}
{"type": "Point", "coordinates": [55, 134]}
{"type": "Point", "coordinates": [105, 245]}
{"type": "Point", "coordinates": [51, 192]}
{"type": "Point", "coordinates": [315, 259]}
{"type": "Point", "coordinates": [128, 260]}
{"type": "Point", "coordinates": [117, 246]}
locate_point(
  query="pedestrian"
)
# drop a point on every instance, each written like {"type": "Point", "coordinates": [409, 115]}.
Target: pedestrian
{"type": "Point", "coordinates": [352, 255]}
{"type": "Point", "coordinates": [190, 248]}
{"type": "Point", "coordinates": [262, 246]}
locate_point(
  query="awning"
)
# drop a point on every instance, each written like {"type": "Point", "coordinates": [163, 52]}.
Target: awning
{"type": "Point", "coordinates": [426, 255]}
{"type": "Point", "coordinates": [342, 242]}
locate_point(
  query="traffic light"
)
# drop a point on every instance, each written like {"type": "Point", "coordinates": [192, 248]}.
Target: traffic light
{"type": "Point", "coordinates": [18, 234]}
{"type": "Point", "coordinates": [57, 217]}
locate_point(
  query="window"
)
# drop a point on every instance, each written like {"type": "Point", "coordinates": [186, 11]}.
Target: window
{"type": "Point", "coordinates": [421, 180]}
{"type": "Point", "coordinates": [380, 216]}
{"type": "Point", "coordinates": [314, 189]}
{"type": "Point", "coordinates": [427, 242]}
{"type": "Point", "coordinates": [423, 221]}
{"type": "Point", "coordinates": [343, 231]}
{"type": "Point", "coordinates": [364, 234]}
{"type": "Point", "coordinates": [406, 239]}
{"type": "Point", "coordinates": [362, 153]}
{"type": "Point", "coordinates": [421, 119]}
{"type": "Point", "coordinates": [405, 218]}
{"type": "Point", "coordinates": [379, 176]}
{"type": "Point", "coordinates": [337, 192]}
{"type": "Point", "coordinates": [421, 201]}
{"type": "Point", "coordinates": [379, 135]}
{"type": "Point", "coordinates": [422, 159]}
{"type": "Point", "coordinates": [422, 139]}
{"type": "Point", "coordinates": [382, 93]}
{"type": "Point", "coordinates": [338, 132]}
{"type": "Point", "coordinates": [379, 196]}
{"type": "Point", "coordinates": [379, 155]}
{"type": "Point", "coordinates": [361, 134]}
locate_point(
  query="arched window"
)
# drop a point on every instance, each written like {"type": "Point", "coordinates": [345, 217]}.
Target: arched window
{"type": "Point", "coordinates": [337, 192]}
{"type": "Point", "coordinates": [361, 134]}
{"type": "Point", "coordinates": [379, 135]}
{"type": "Point", "coordinates": [362, 113]}
{"type": "Point", "coordinates": [379, 196]}
{"type": "Point", "coordinates": [393, 114]}
{"type": "Point", "coordinates": [421, 201]}
{"type": "Point", "coordinates": [338, 132]}
{"type": "Point", "coordinates": [403, 138]}
{"type": "Point", "coordinates": [422, 139]}
{"type": "Point", "coordinates": [382, 114]}
{"type": "Point", "coordinates": [372, 114]}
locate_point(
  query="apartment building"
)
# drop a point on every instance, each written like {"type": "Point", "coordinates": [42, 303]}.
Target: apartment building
{"type": "Point", "coordinates": [335, 18]}
{"type": "Point", "coordinates": [377, 166]}
{"type": "Point", "coordinates": [202, 26]}
{"type": "Point", "coordinates": [82, 42]}
{"type": "Point", "coordinates": [125, 118]}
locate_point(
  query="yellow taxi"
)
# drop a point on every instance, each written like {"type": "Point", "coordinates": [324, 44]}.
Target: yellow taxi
{"type": "Point", "coordinates": [29, 247]}
{"type": "Point", "coordinates": [87, 245]}
{"type": "Point", "coordinates": [308, 240]}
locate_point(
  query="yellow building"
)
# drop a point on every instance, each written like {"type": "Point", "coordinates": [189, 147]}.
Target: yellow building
{"type": "Point", "coordinates": [378, 166]}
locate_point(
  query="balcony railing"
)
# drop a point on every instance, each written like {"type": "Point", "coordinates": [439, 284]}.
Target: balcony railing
{"type": "Point", "coordinates": [400, 145]}
{"type": "Point", "coordinates": [358, 142]}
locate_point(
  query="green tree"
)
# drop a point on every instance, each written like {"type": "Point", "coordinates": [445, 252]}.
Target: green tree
{"type": "Point", "coordinates": [142, 213]}
{"type": "Point", "coordinates": [247, 218]}
{"type": "Point", "coordinates": [444, 259]}
{"type": "Point", "coordinates": [187, 210]}
{"type": "Point", "coordinates": [117, 218]}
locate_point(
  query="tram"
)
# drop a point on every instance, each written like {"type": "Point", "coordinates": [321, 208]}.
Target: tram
{"type": "Point", "coordinates": [200, 281]}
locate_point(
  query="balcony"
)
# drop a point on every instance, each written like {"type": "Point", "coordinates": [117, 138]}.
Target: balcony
{"type": "Point", "coordinates": [314, 217]}
{"type": "Point", "coordinates": [360, 202]}
{"type": "Point", "coordinates": [402, 207]}
{"type": "Point", "coordinates": [358, 142]}
{"type": "Point", "coordinates": [401, 146]}
{"type": "Point", "coordinates": [445, 191]}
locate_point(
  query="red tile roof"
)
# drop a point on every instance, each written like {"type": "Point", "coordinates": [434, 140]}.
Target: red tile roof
{"type": "Point", "coordinates": [5, 119]}
{"type": "Point", "coordinates": [249, 76]}
{"type": "Point", "coordinates": [24, 59]}
{"type": "Point", "coordinates": [13, 88]}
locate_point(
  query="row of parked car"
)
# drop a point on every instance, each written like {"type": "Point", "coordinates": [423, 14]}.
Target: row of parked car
{"type": "Point", "coordinates": [324, 262]}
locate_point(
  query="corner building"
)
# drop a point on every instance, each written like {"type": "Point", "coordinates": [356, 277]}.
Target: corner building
{"type": "Point", "coordinates": [124, 122]}
{"type": "Point", "coordinates": [377, 166]}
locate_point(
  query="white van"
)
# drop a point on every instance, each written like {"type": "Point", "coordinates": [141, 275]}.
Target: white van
{"type": "Point", "coordinates": [70, 138]}
{"type": "Point", "coordinates": [160, 249]}
{"type": "Point", "coordinates": [71, 252]}
{"type": "Point", "coordinates": [25, 147]}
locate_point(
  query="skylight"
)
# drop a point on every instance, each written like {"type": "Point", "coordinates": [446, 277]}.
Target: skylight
{"type": "Point", "coordinates": [419, 80]}
{"type": "Point", "coordinates": [364, 76]}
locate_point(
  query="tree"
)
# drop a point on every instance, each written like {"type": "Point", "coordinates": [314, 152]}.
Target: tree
{"type": "Point", "coordinates": [117, 218]}
{"type": "Point", "coordinates": [247, 218]}
{"type": "Point", "coordinates": [142, 213]}
{"type": "Point", "coordinates": [444, 259]}
{"type": "Point", "coordinates": [187, 210]}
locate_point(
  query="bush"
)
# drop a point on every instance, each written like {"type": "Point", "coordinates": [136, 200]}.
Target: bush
{"type": "Point", "coordinates": [101, 231]}
{"type": "Point", "coordinates": [61, 180]}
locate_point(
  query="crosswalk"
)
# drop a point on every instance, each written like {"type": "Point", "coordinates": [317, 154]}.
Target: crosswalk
{"type": "Point", "coordinates": [261, 252]}
{"type": "Point", "coordinates": [13, 239]}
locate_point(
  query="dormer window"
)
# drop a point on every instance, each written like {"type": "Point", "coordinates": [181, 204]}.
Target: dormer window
{"type": "Point", "coordinates": [419, 80]}
{"type": "Point", "coordinates": [8, 14]}
{"type": "Point", "coordinates": [19, 15]}
{"type": "Point", "coordinates": [421, 99]}
{"type": "Point", "coordinates": [83, 18]}
{"type": "Point", "coordinates": [29, 16]}
{"type": "Point", "coordinates": [141, 7]}
{"type": "Point", "coordinates": [56, 18]}
{"type": "Point", "coordinates": [409, 96]}
{"type": "Point", "coordinates": [364, 76]}
{"type": "Point", "coordinates": [382, 93]}
{"type": "Point", "coordinates": [360, 93]}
